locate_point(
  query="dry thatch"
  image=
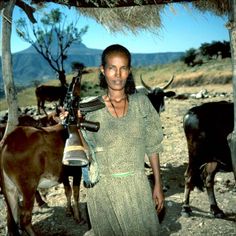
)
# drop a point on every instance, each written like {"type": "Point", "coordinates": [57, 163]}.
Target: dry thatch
{"type": "Point", "coordinates": [146, 17]}
{"type": "Point", "coordinates": [132, 15]}
{"type": "Point", "coordinates": [126, 18]}
{"type": "Point", "coordinates": [218, 7]}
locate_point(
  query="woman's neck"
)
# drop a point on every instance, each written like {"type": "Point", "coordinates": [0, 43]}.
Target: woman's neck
{"type": "Point", "coordinates": [117, 103]}
{"type": "Point", "coordinates": [116, 96]}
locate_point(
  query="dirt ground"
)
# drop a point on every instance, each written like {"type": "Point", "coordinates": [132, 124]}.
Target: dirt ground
{"type": "Point", "coordinates": [53, 221]}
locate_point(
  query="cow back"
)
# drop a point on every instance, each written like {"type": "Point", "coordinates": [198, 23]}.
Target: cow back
{"type": "Point", "coordinates": [214, 118]}
{"type": "Point", "coordinates": [50, 93]}
{"type": "Point", "coordinates": [206, 128]}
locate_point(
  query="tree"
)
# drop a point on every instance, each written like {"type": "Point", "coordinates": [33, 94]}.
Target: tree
{"type": "Point", "coordinates": [189, 57]}
{"type": "Point", "coordinates": [215, 49]}
{"type": "Point", "coordinates": [54, 37]}
{"type": "Point", "coordinates": [75, 66]}
{"type": "Point", "coordinates": [204, 48]}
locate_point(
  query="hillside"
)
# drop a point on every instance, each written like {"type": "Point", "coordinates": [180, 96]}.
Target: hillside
{"type": "Point", "coordinates": [211, 72]}
{"type": "Point", "coordinates": [26, 73]}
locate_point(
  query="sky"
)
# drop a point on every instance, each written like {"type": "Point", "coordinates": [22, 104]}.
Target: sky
{"type": "Point", "coordinates": [182, 29]}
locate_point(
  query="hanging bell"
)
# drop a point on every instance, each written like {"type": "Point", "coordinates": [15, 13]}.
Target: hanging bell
{"type": "Point", "coordinates": [74, 151]}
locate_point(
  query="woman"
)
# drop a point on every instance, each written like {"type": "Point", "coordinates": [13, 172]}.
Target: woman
{"type": "Point", "coordinates": [122, 203]}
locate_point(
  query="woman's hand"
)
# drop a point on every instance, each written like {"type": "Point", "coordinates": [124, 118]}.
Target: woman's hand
{"type": "Point", "coordinates": [63, 113]}
{"type": "Point", "coordinates": [158, 197]}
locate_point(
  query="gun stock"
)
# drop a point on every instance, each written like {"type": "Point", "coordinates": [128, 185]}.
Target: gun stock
{"type": "Point", "coordinates": [75, 153]}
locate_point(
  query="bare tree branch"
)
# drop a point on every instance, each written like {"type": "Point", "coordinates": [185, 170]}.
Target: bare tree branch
{"type": "Point", "coordinates": [27, 9]}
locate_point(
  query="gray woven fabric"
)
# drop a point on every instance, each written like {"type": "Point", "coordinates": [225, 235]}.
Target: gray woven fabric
{"type": "Point", "coordinates": [121, 203]}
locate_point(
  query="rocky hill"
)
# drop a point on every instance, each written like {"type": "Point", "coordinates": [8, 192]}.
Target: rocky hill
{"type": "Point", "coordinates": [28, 65]}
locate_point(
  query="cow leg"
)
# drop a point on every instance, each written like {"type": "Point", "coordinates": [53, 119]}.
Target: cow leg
{"type": "Point", "coordinates": [76, 192]}
{"type": "Point", "coordinates": [19, 214]}
{"type": "Point", "coordinates": [210, 172]}
{"type": "Point", "coordinates": [11, 196]}
{"type": "Point", "coordinates": [26, 207]}
{"type": "Point", "coordinates": [186, 209]}
{"type": "Point", "coordinates": [68, 194]}
{"type": "Point", "coordinates": [41, 203]}
{"type": "Point", "coordinates": [76, 204]}
{"type": "Point", "coordinates": [39, 106]}
{"type": "Point", "coordinates": [12, 227]}
{"type": "Point", "coordinates": [44, 108]}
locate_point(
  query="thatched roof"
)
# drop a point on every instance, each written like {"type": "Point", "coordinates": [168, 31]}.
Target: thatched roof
{"type": "Point", "coordinates": [126, 18]}
{"type": "Point", "coordinates": [120, 15]}
{"type": "Point", "coordinates": [146, 16]}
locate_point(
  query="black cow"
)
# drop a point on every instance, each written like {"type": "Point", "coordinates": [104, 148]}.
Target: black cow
{"type": "Point", "coordinates": [206, 128]}
{"type": "Point", "coordinates": [157, 94]}
{"type": "Point", "coordinates": [50, 93]}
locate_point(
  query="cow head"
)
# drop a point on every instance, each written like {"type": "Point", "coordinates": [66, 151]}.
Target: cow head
{"type": "Point", "coordinates": [157, 94]}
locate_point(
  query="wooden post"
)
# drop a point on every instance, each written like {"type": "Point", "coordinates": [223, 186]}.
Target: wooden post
{"type": "Point", "coordinates": [232, 33]}
{"type": "Point", "coordinates": [7, 70]}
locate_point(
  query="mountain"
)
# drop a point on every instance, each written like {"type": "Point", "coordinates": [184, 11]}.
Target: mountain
{"type": "Point", "coordinates": [30, 66]}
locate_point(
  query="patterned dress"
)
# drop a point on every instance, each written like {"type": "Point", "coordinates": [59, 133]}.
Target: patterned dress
{"type": "Point", "coordinates": [121, 202]}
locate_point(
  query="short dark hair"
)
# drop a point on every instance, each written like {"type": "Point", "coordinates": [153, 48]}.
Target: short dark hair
{"type": "Point", "coordinates": [116, 48]}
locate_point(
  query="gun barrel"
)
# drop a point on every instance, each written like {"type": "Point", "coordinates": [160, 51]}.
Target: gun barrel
{"type": "Point", "coordinates": [90, 125]}
{"type": "Point", "coordinates": [92, 105]}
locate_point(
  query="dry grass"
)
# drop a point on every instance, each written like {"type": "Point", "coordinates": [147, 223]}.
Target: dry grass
{"type": "Point", "coordinates": [212, 72]}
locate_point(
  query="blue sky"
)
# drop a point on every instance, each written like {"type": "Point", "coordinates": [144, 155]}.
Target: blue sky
{"type": "Point", "coordinates": [182, 30]}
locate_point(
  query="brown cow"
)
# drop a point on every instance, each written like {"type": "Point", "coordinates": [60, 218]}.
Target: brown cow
{"type": "Point", "coordinates": [31, 158]}
{"type": "Point", "coordinates": [27, 120]}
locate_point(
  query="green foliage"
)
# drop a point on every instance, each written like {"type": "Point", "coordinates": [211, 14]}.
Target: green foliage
{"type": "Point", "coordinates": [207, 51]}
{"type": "Point", "coordinates": [215, 49]}
{"type": "Point", "coordinates": [75, 65]}
{"type": "Point", "coordinates": [189, 56]}
{"type": "Point", "coordinates": [52, 38]}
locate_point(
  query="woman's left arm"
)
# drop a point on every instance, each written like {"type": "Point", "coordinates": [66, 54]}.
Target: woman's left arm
{"type": "Point", "coordinates": [158, 195]}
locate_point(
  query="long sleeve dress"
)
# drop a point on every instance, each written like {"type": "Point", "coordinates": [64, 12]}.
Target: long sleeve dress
{"type": "Point", "coordinates": [121, 202]}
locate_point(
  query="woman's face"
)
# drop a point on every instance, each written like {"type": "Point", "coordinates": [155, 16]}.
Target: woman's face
{"type": "Point", "coordinates": [116, 71]}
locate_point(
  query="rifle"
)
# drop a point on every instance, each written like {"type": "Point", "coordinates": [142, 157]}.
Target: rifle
{"type": "Point", "coordinates": [75, 153]}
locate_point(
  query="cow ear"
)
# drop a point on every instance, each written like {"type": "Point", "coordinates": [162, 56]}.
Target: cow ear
{"type": "Point", "coordinates": [170, 94]}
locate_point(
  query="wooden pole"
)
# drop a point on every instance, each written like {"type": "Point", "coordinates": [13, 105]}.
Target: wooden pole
{"type": "Point", "coordinates": [7, 69]}
{"type": "Point", "coordinates": [232, 33]}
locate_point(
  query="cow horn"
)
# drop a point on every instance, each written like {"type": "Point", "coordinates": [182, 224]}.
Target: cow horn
{"type": "Point", "coordinates": [168, 83]}
{"type": "Point", "coordinates": [145, 85]}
